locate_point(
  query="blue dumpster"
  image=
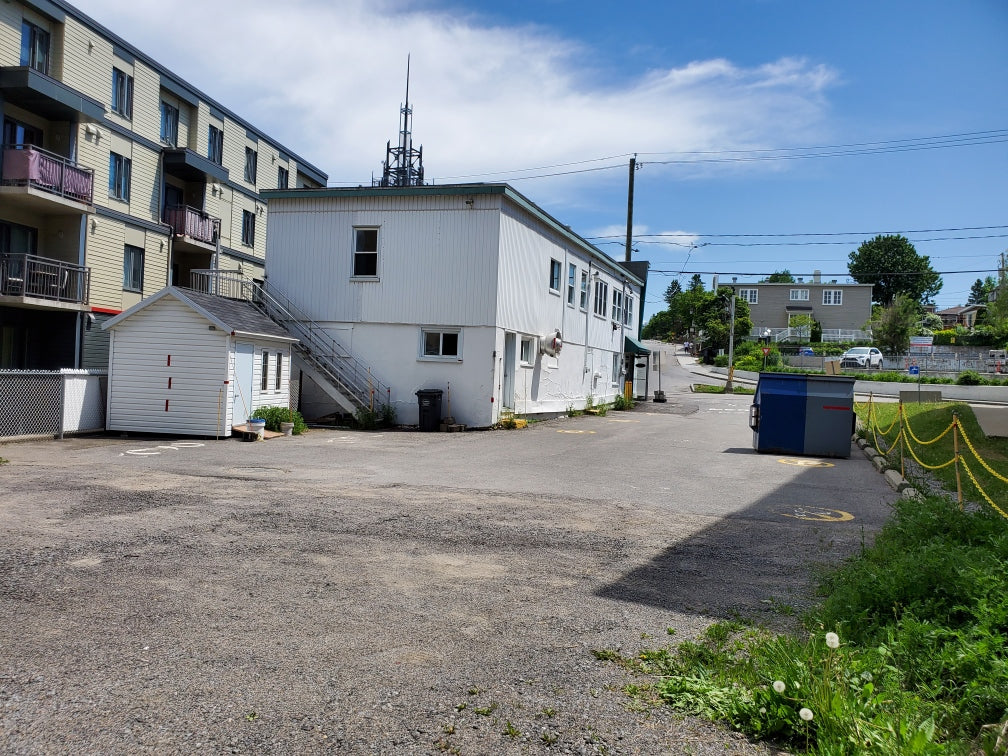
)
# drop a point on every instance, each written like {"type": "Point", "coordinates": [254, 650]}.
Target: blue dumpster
{"type": "Point", "coordinates": [794, 413]}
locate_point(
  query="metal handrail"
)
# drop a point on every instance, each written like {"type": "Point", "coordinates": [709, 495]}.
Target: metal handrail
{"type": "Point", "coordinates": [193, 223]}
{"type": "Point", "coordinates": [29, 165]}
{"type": "Point", "coordinates": [340, 365]}
{"type": "Point", "coordinates": [23, 275]}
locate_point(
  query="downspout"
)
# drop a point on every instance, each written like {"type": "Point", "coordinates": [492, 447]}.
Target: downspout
{"type": "Point", "coordinates": [588, 297]}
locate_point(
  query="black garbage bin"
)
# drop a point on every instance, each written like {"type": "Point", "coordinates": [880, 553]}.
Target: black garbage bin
{"type": "Point", "coordinates": [430, 409]}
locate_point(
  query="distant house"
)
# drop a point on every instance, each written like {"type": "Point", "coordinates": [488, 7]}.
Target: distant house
{"type": "Point", "coordinates": [835, 306]}
{"type": "Point", "coordinates": [183, 362]}
{"type": "Point", "coordinates": [468, 287]}
{"type": "Point", "coordinates": [965, 316]}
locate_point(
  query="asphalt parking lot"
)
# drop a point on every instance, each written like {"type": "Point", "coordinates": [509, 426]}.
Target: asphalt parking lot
{"type": "Point", "coordinates": [397, 592]}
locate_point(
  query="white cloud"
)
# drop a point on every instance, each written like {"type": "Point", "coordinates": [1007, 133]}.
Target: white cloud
{"type": "Point", "coordinates": [326, 79]}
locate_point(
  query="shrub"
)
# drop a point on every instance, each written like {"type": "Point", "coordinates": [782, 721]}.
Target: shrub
{"type": "Point", "coordinates": [622, 403]}
{"type": "Point", "coordinates": [721, 360]}
{"type": "Point", "coordinates": [969, 378]}
{"type": "Point", "coordinates": [276, 415]}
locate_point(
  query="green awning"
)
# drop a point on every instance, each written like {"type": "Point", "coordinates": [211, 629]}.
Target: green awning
{"type": "Point", "coordinates": [632, 346]}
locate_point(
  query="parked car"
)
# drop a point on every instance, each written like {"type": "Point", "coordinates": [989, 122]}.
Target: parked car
{"type": "Point", "coordinates": [861, 357]}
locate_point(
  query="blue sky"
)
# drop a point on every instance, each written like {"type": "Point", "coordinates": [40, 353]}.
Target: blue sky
{"type": "Point", "coordinates": [512, 90]}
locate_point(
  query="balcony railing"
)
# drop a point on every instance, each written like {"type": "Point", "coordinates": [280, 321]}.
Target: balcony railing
{"type": "Point", "coordinates": [192, 223]}
{"type": "Point", "coordinates": [28, 165]}
{"type": "Point", "coordinates": [44, 278]}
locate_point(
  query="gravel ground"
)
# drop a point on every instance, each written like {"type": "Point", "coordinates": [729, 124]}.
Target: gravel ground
{"type": "Point", "coordinates": [300, 596]}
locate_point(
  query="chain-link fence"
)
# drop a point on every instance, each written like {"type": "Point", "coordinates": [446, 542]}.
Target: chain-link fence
{"type": "Point", "coordinates": [51, 402]}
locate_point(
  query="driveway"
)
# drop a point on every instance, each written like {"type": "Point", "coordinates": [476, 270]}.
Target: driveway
{"type": "Point", "coordinates": [398, 592]}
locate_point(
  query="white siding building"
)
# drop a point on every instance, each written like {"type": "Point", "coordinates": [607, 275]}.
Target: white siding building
{"type": "Point", "coordinates": [463, 286]}
{"type": "Point", "coordinates": [186, 363]}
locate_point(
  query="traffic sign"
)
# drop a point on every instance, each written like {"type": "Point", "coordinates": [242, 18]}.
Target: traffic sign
{"type": "Point", "coordinates": [766, 351]}
{"type": "Point", "coordinates": [913, 370]}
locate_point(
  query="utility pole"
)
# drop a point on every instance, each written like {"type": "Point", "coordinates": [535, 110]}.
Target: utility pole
{"type": "Point", "coordinates": [629, 208]}
{"type": "Point", "coordinates": [729, 389]}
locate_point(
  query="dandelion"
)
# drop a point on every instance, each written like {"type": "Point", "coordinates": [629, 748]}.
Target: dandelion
{"type": "Point", "coordinates": [797, 685]}
{"type": "Point", "coordinates": [762, 709]}
{"type": "Point", "coordinates": [832, 640]}
{"type": "Point", "coordinates": [806, 715]}
{"type": "Point", "coordinates": [779, 686]}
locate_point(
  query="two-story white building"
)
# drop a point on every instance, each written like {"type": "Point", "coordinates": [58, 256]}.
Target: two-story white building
{"type": "Point", "coordinates": [467, 288]}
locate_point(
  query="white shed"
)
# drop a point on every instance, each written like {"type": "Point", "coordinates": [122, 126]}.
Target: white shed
{"type": "Point", "coordinates": [187, 363]}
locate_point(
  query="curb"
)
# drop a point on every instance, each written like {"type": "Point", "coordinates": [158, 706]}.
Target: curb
{"type": "Point", "coordinates": [896, 481]}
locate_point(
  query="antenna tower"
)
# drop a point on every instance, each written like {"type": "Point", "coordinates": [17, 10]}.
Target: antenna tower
{"type": "Point", "coordinates": [403, 165]}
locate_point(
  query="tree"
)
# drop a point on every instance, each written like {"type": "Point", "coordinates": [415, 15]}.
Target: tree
{"type": "Point", "coordinates": [780, 276]}
{"type": "Point", "coordinates": [674, 289]}
{"type": "Point", "coordinates": [660, 326]}
{"type": "Point", "coordinates": [893, 266]}
{"type": "Point", "coordinates": [930, 322]}
{"type": "Point", "coordinates": [696, 283]}
{"type": "Point", "coordinates": [713, 317]}
{"type": "Point", "coordinates": [981, 289]}
{"type": "Point", "coordinates": [895, 324]}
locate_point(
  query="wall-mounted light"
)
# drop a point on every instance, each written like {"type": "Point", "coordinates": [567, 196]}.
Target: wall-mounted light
{"type": "Point", "coordinates": [94, 225]}
{"type": "Point", "coordinates": [90, 45]}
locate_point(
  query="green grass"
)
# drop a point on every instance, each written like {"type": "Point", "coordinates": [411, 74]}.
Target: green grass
{"type": "Point", "coordinates": [703, 388]}
{"type": "Point", "coordinates": [926, 422]}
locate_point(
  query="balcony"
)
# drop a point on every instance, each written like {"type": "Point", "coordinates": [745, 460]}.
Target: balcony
{"type": "Point", "coordinates": [44, 172]}
{"type": "Point", "coordinates": [41, 282]}
{"type": "Point", "coordinates": [192, 225]}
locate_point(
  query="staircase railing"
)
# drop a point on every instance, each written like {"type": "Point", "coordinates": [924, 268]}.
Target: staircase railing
{"type": "Point", "coordinates": [344, 369]}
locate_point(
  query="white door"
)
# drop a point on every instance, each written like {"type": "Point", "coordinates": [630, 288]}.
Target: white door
{"type": "Point", "coordinates": [241, 398]}
{"type": "Point", "coordinates": [507, 390]}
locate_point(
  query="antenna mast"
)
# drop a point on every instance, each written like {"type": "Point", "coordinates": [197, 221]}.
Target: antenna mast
{"type": "Point", "coordinates": [403, 165]}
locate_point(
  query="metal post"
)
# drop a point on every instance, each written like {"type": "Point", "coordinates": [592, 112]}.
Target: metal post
{"type": "Point", "coordinates": [955, 448]}
{"type": "Point", "coordinates": [731, 346]}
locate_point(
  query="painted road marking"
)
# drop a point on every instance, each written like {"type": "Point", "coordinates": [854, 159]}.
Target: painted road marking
{"type": "Point", "coordinates": [805, 462]}
{"type": "Point", "coordinates": [614, 420]}
{"type": "Point", "coordinates": [727, 409]}
{"type": "Point", "coordinates": [574, 431]}
{"type": "Point", "coordinates": [150, 452]}
{"type": "Point", "coordinates": [816, 514]}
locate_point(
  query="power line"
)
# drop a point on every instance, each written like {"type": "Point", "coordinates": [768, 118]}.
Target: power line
{"type": "Point", "coordinates": [845, 274]}
{"type": "Point", "coordinates": [811, 233]}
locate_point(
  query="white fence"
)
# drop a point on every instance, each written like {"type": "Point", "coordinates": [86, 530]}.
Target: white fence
{"type": "Point", "coordinates": [51, 402]}
{"type": "Point", "coordinates": [801, 334]}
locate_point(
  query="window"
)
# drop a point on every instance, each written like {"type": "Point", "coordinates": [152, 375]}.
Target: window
{"type": "Point", "coordinates": [17, 133]}
{"type": "Point", "coordinates": [279, 370]}
{"type": "Point", "coordinates": [17, 239]}
{"type": "Point", "coordinates": [527, 350]}
{"type": "Point", "coordinates": [133, 268]}
{"type": "Point", "coordinates": [264, 375]}
{"type": "Point", "coordinates": [215, 145]}
{"type": "Point", "coordinates": [628, 311]}
{"type": "Point", "coordinates": [444, 345]}
{"type": "Point", "coordinates": [34, 47]}
{"type": "Point", "coordinates": [122, 93]}
{"type": "Point", "coordinates": [169, 124]}
{"type": "Point", "coordinates": [554, 276]}
{"type": "Point", "coordinates": [832, 296]}
{"type": "Point", "coordinates": [248, 228]}
{"type": "Point", "coordinates": [365, 262]}
{"type": "Point", "coordinates": [571, 280]}
{"type": "Point", "coordinates": [584, 289]}
{"type": "Point", "coordinates": [617, 306]}
{"type": "Point", "coordinates": [799, 295]}
{"type": "Point", "coordinates": [251, 157]}
{"type": "Point", "coordinates": [749, 296]}
{"type": "Point", "coordinates": [283, 178]}
{"type": "Point", "coordinates": [119, 176]}
{"type": "Point", "coordinates": [601, 298]}
{"type": "Point", "coordinates": [615, 368]}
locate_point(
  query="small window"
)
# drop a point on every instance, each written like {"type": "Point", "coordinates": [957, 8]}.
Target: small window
{"type": "Point", "coordinates": [615, 368]}
{"type": "Point", "coordinates": [832, 296]}
{"type": "Point", "coordinates": [365, 262]}
{"type": "Point", "coordinates": [601, 298]}
{"type": "Point", "coordinates": [617, 306]}
{"type": "Point", "coordinates": [119, 176]}
{"type": "Point", "coordinates": [571, 282]}
{"type": "Point", "coordinates": [584, 289]}
{"type": "Point", "coordinates": [34, 47]}
{"type": "Point", "coordinates": [749, 296]}
{"type": "Point", "coordinates": [279, 370]}
{"type": "Point", "coordinates": [799, 295]}
{"type": "Point", "coordinates": [628, 311]}
{"type": "Point", "coordinates": [283, 178]}
{"type": "Point", "coordinates": [251, 158]}
{"type": "Point", "coordinates": [527, 350]}
{"type": "Point", "coordinates": [215, 145]}
{"type": "Point", "coordinates": [248, 228]}
{"type": "Point", "coordinates": [122, 93]}
{"type": "Point", "coordinates": [133, 268]}
{"type": "Point", "coordinates": [441, 344]}
{"type": "Point", "coordinates": [264, 376]}
{"type": "Point", "coordinates": [169, 124]}
{"type": "Point", "coordinates": [554, 276]}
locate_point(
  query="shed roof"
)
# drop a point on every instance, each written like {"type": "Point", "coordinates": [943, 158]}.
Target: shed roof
{"type": "Point", "coordinates": [235, 315]}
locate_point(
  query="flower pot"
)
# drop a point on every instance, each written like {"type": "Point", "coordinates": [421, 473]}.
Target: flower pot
{"type": "Point", "coordinates": [287, 429]}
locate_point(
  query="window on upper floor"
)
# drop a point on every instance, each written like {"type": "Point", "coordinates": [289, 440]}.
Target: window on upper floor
{"type": "Point", "coordinates": [443, 344]}
{"type": "Point", "coordinates": [34, 47]}
{"type": "Point", "coordinates": [16, 239]}
{"type": "Point", "coordinates": [799, 295]}
{"type": "Point", "coordinates": [628, 310]}
{"type": "Point", "coordinates": [283, 178]}
{"type": "Point", "coordinates": [17, 133]}
{"type": "Point", "coordinates": [617, 306]}
{"type": "Point", "coordinates": [601, 298]}
{"type": "Point", "coordinates": [571, 282]}
{"type": "Point", "coordinates": [215, 145]}
{"type": "Point", "coordinates": [119, 176]}
{"type": "Point", "coordinates": [832, 296]}
{"type": "Point", "coordinates": [365, 260]}
{"type": "Point", "coordinates": [554, 276]}
{"type": "Point", "coordinates": [169, 124]}
{"type": "Point", "coordinates": [749, 296]}
{"type": "Point", "coordinates": [584, 290]}
{"type": "Point", "coordinates": [122, 93]}
{"type": "Point", "coordinates": [133, 268]}
{"type": "Point", "coordinates": [251, 158]}
{"type": "Point", "coordinates": [248, 228]}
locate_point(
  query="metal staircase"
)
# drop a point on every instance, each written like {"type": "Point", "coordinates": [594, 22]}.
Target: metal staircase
{"type": "Point", "coordinates": [354, 385]}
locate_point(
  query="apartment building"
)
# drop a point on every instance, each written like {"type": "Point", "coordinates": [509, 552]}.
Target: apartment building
{"type": "Point", "coordinates": [117, 178]}
{"type": "Point", "coordinates": [835, 306]}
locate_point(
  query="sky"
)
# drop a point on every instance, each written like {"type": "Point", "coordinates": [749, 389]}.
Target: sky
{"type": "Point", "coordinates": [769, 134]}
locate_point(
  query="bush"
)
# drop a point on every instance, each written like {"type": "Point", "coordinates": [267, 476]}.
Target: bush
{"type": "Point", "coordinates": [969, 378]}
{"type": "Point", "coordinates": [622, 403]}
{"type": "Point", "coordinates": [276, 415]}
{"type": "Point", "coordinates": [721, 360]}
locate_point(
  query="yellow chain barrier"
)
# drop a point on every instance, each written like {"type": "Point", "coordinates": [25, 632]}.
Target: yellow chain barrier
{"type": "Point", "coordinates": [986, 467]}
{"type": "Point", "coordinates": [982, 492]}
{"type": "Point", "coordinates": [939, 437]}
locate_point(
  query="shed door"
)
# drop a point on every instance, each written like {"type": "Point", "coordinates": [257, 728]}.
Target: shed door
{"type": "Point", "coordinates": [241, 400]}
